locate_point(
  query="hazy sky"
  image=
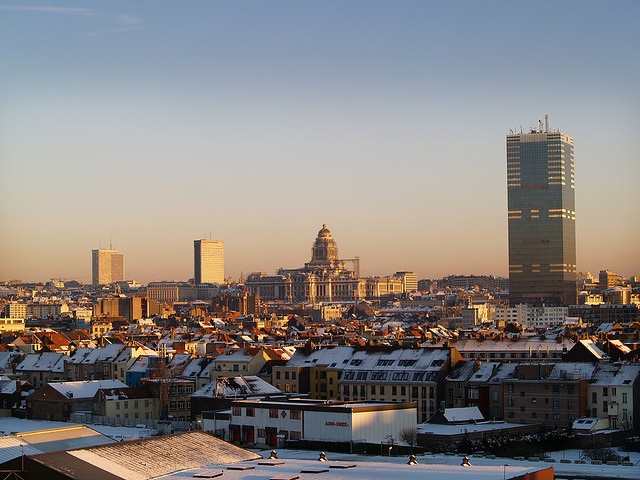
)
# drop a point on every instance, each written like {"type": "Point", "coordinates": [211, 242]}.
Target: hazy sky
{"type": "Point", "coordinates": [154, 123]}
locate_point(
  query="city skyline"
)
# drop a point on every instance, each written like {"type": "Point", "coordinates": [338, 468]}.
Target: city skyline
{"type": "Point", "coordinates": [260, 122]}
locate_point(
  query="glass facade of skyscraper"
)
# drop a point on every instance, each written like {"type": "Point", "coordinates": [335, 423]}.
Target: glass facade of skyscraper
{"type": "Point", "coordinates": [542, 235]}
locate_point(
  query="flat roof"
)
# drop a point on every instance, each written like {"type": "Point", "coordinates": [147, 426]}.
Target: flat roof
{"type": "Point", "coordinates": [329, 406]}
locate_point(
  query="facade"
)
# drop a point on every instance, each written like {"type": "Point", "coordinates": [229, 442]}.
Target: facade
{"type": "Point", "coordinates": [107, 267]}
{"type": "Point", "coordinates": [401, 375]}
{"type": "Point", "coordinates": [324, 278]}
{"type": "Point", "coordinates": [554, 396]}
{"type": "Point", "coordinates": [208, 261]}
{"type": "Point", "coordinates": [541, 204]}
{"type": "Point", "coordinates": [264, 422]}
{"type": "Point", "coordinates": [530, 316]}
{"type": "Point", "coordinates": [409, 281]}
{"type": "Point", "coordinates": [171, 292]}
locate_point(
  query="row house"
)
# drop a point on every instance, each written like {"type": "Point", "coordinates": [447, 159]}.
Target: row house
{"type": "Point", "coordinates": [198, 370]}
{"type": "Point", "coordinates": [307, 372]}
{"type": "Point", "coordinates": [178, 394]}
{"type": "Point", "coordinates": [510, 349]}
{"type": "Point", "coordinates": [553, 395]}
{"type": "Point", "coordinates": [57, 401]}
{"type": "Point", "coordinates": [244, 361]}
{"type": "Point", "coordinates": [126, 402]}
{"type": "Point", "coordinates": [401, 375]}
{"type": "Point", "coordinates": [479, 384]}
{"type": "Point", "coordinates": [613, 392]}
{"type": "Point", "coordinates": [41, 368]}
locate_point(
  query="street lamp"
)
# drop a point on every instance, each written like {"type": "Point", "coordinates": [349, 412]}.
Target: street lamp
{"type": "Point", "coordinates": [390, 453]}
{"type": "Point", "coordinates": [504, 471]}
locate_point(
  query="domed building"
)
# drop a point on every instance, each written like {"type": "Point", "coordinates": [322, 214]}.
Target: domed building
{"type": "Point", "coordinates": [324, 278]}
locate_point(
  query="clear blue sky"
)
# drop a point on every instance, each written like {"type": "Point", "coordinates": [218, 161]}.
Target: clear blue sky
{"type": "Point", "coordinates": [154, 123]}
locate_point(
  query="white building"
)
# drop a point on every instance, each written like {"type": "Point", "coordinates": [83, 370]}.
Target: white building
{"type": "Point", "coordinates": [208, 261]}
{"type": "Point", "coordinates": [107, 267]}
{"type": "Point", "coordinates": [529, 316]}
{"type": "Point", "coordinates": [270, 423]}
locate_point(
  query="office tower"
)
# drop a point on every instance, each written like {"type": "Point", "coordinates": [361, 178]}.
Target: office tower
{"type": "Point", "coordinates": [208, 261]}
{"type": "Point", "coordinates": [107, 267]}
{"type": "Point", "coordinates": [542, 236]}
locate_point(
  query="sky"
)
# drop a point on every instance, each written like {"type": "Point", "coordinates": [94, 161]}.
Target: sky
{"type": "Point", "coordinates": [149, 124]}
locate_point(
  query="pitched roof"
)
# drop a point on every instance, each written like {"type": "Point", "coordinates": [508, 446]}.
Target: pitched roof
{"type": "Point", "coordinates": [146, 458]}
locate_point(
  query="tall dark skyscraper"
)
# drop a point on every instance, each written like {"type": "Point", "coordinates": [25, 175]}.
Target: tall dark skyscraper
{"type": "Point", "coordinates": [542, 233]}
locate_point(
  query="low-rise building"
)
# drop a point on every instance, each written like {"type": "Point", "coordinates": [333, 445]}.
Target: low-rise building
{"type": "Point", "coordinates": [272, 423]}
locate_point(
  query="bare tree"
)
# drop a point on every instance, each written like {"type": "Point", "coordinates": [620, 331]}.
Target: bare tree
{"type": "Point", "coordinates": [409, 436]}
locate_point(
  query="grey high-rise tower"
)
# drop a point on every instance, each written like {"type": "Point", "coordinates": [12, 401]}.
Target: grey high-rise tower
{"type": "Point", "coordinates": [542, 234]}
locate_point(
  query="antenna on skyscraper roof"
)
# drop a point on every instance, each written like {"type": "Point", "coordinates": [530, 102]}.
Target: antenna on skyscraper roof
{"type": "Point", "coordinates": [110, 243]}
{"type": "Point", "coordinates": [546, 123]}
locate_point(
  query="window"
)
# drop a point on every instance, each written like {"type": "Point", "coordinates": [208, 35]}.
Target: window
{"type": "Point", "coordinates": [235, 411]}
{"type": "Point", "coordinates": [522, 409]}
{"type": "Point", "coordinates": [381, 389]}
{"type": "Point", "coordinates": [188, 405]}
{"type": "Point", "coordinates": [495, 396]}
{"type": "Point", "coordinates": [180, 390]}
{"type": "Point", "coordinates": [594, 397]}
{"type": "Point", "coordinates": [278, 375]}
{"type": "Point", "coordinates": [250, 412]}
{"type": "Point", "coordinates": [556, 416]}
{"type": "Point", "coordinates": [273, 413]}
{"type": "Point", "coordinates": [394, 390]}
{"type": "Point", "coordinates": [117, 405]}
{"type": "Point", "coordinates": [414, 392]}
{"type": "Point", "coordinates": [172, 406]}
{"type": "Point", "coordinates": [510, 401]}
{"type": "Point", "coordinates": [556, 388]}
{"type": "Point", "coordinates": [522, 394]}
{"type": "Point", "coordinates": [355, 362]}
{"type": "Point", "coordinates": [570, 389]}
{"type": "Point", "coordinates": [605, 392]}
{"type": "Point", "coordinates": [189, 389]}
{"type": "Point", "coordinates": [293, 375]}
{"type": "Point", "coordinates": [510, 388]}
{"type": "Point", "coordinates": [361, 376]}
{"type": "Point", "coordinates": [624, 398]}
{"type": "Point", "coordinates": [236, 367]}
{"type": "Point", "coordinates": [510, 414]}
{"type": "Point", "coordinates": [534, 400]}
{"type": "Point", "coordinates": [294, 415]}
{"type": "Point", "coordinates": [126, 404]}
{"type": "Point", "coordinates": [613, 391]}
{"type": "Point", "coordinates": [403, 390]}
{"type": "Point", "coordinates": [345, 390]}
{"type": "Point", "coordinates": [373, 389]}
{"type": "Point", "coordinates": [135, 404]}
{"type": "Point", "coordinates": [286, 375]}
{"type": "Point", "coordinates": [474, 394]}
{"type": "Point", "coordinates": [261, 433]}
{"type": "Point", "coordinates": [556, 403]}
{"type": "Point", "coordinates": [363, 392]}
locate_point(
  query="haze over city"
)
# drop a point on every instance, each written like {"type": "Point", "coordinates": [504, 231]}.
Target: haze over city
{"type": "Point", "coordinates": [150, 124]}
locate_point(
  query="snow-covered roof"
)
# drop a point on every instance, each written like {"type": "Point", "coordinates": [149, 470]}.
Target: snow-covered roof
{"type": "Point", "coordinates": [608, 374]}
{"type": "Point", "coordinates": [229, 387]}
{"type": "Point", "coordinates": [84, 389]}
{"type": "Point", "coordinates": [43, 362]}
{"type": "Point", "coordinates": [104, 354]}
{"type": "Point", "coordinates": [462, 414]}
{"type": "Point", "coordinates": [331, 356]}
{"type": "Point", "coordinates": [572, 370]}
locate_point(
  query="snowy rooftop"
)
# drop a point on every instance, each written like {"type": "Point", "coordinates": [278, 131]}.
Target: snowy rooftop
{"type": "Point", "coordinates": [615, 374]}
{"type": "Point", "coordinates": [224, 387]}
{"type": "Point", "coordinates": [46, 361]}
{"type": "Point", "coordinates": [84, 389]}
{"type": "Point", "coordinates": [332, 356]}
{"type": "Point", "coordinates": [462, 414]}
{"type": "Point", "coordinates": [572, 370]}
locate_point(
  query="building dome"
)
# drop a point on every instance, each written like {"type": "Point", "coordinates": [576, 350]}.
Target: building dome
{"type": "Point", "coordinates": [324, 232]}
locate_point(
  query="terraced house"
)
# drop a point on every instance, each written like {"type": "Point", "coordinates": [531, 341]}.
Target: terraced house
{"type": "Point", "coordinates": [400, 375]}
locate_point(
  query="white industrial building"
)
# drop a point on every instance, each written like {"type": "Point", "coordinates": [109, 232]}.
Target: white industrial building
{"type": "Point", "coordinates": [271, 423]}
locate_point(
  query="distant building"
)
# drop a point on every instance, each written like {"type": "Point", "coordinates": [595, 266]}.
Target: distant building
{"type": "Point", "coordinates": [107, 267]}
{"type": "Point", "coordinates": [541, 204]}
{"type": "Point", "coordinates": [409, 281]}
{"type": "Point", "coordinates": [324, 278]}
{"type": "Point", "coordinates": [171, 292]}
{"type": "Point", "coordinates": [208, 261]}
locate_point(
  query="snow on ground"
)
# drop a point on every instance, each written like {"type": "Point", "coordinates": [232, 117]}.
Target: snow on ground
{"type": "Point", "coordinates": [10, 425]}
{"type": "Point", "coordinates": [514, 466]}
